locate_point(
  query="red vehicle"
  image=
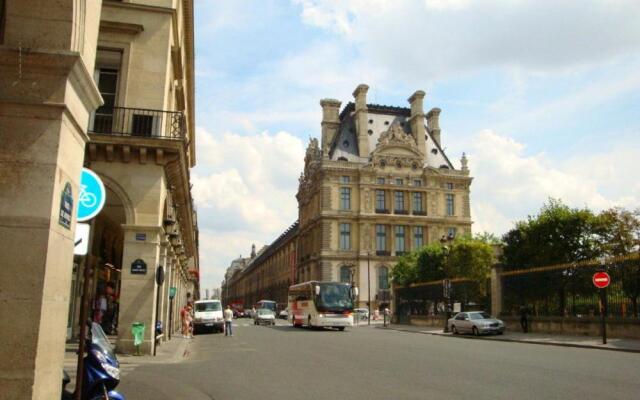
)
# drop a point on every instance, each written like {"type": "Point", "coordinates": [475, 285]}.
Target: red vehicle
{"type": "Point", "coordinates": [238, 308]}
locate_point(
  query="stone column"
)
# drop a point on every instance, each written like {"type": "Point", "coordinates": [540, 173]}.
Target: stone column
{"type": "Point", "coordinates": [138, 291]}
{"type": "Point", "coordinates": [360, 119]}
{"type": "Point", "coordinates": [496, 290]}
{"type": "Point", "coordinates": [417, 120]}
{"type": "Point", "coordinates": [46, 96]}
{"type": "Point", "coordinates": [164, 261]}
{"type": "Point", "coordinates": [433, 124]}
{"type": "Point", "coordinates": [330, 123]}
{"type": "Point", "coordinates": [168, 282]}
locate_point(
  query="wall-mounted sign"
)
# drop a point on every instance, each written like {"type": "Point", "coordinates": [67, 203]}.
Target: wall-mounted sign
{"type": "Point", "coordinates": [81, 242]}
{"type": "Point", "coordinates": [138, 267]}
{"type": "Point", "coordinates": [141, 236]}
{"type": "Point", "coordinates": [92, 195]}
{"type": "Point", "coordinates": [66, 206]}
{"type": "Point", "coordinates": [172, 292]}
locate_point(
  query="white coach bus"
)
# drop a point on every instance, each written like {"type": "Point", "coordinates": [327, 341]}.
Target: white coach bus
{"type": "Point", "coordinates": [322, 304]}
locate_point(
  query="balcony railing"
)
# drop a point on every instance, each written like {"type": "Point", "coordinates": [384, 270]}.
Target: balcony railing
{"type": "Point", "coordinates": [383, 253]}
{"type": "Point", "coordinates": [401, 212]}
{"type": "Point", "coordinates": [382, 211]}
{"type": "Point", "coordinates": [138, 122]}
{"type": "Point", "coordinates": [416, 212]}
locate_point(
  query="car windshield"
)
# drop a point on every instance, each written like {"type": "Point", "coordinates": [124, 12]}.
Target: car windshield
{"type": "Point", "coordinates": [334, 297]}
{"type": "Point", "coordinates": [479, 315]}
{"type": "Point", "coordinates": [209, 306]}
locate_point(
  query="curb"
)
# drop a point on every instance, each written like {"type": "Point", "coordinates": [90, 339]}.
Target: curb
{"type": "Point", "coordinates": [537, 342]}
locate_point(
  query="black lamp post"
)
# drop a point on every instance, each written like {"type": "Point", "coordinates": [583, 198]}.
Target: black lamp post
{"type": "Point", "coordinates": [446, 284]}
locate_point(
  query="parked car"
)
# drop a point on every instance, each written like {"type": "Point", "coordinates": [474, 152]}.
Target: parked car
{"type": "Point", "coordinates": [476, 322]}
{"type": "Point", "coordinates": [264, 316]}
{"type": "Point", "coordinates": [284, 314]}
{"type": "Point", "coordinates": [362, 313]}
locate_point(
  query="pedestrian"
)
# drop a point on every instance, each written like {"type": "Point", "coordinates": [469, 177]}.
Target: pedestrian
{"type": "Point", "coordinates": [524, 318]}
{"type": "Point", "coordinates": [228, 320]}
{"type": "Point", "coordinates": [185, 316]}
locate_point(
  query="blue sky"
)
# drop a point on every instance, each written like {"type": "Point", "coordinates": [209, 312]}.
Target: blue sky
{"type": "Point", "coordinates": [543, 96]}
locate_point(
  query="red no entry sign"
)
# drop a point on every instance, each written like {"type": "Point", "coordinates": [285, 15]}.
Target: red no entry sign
{"type": "Point", "coordinates": [601, 280]}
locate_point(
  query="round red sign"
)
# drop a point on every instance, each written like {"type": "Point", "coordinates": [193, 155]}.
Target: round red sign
{"type": "Point", "coordinates": [601, 280]}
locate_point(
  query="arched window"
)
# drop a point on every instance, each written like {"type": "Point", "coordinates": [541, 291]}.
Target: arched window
{"type": "Point", "coordinates": [345, 274]}
{"type": "Point", "coordinates": [383, 278]}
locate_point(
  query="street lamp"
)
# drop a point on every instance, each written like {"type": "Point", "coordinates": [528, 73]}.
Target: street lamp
{"type": "Point", "coordinates": [368, 288]}
{"type": "Point", "coordinates": [446, 284]}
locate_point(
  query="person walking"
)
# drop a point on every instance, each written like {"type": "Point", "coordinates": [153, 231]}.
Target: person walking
{"type": "Point", "coordinates": [524, 318]}
{"type": "Point", "coordinates": [228, 321]}
{"type": "Point", "coordinates": [185, 314]}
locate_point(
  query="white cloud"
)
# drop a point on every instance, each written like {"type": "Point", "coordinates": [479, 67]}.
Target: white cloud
{"type": "Point", "coordinates": [445, 37]}
{"type": "Point", "coordinates": [244, 188]}
{"type": "Point", "coordinates": [510, 184]}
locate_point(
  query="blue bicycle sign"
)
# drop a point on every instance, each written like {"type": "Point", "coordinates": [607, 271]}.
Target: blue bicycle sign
{"type": "Point", "coordinates": [92, 195]}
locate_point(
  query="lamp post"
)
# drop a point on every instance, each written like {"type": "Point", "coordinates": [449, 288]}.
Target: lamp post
{"type": "Point", "coordinates": [368, 288]}
{"type": "Point", "coordinates": [446, 284]}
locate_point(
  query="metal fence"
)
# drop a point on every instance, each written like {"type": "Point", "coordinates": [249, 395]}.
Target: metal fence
{"type": "Point", "coordinates": [433, 298]}
{"type": "Point", "coordinates": [567, 290]}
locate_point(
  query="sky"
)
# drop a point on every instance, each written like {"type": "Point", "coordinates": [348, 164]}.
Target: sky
{"type": "Point", "coordinates": [543, 96]}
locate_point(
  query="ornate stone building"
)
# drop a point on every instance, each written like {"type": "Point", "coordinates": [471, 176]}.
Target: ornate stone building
{"type": "Point", "coordinates": [377, 185]}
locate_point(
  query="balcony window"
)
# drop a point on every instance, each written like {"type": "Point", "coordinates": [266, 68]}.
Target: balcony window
{"type": "Point", "coordinates": [102, 120]}
{"type": "Point", "coordinates": [399, 196]}
{"type": "Point", "coordinates": [400, 245]}
{"type": "Point", "coordinates": [450, 205]}
{"type": "Point", "coordinates": [417, 202]}
{"type": "Point", "coordinates": [449, 186]}
{"type": "Point", "coordinates": [345, 198]}
{"type": "Point", "coordinates": [418, 237]}
{"type": "Point", "coordinates": [398, 181]}
{"type": "Point", "coordinates": [345, 236]}
{"type": "Point", "coordinates": [383, 278]}
{"type": "Point", "coordinates": [345, 274]}
{"type": "Point", "coordinates": [381, 238]}
{"type": "Point", "coordinates": [380, 200]}
{"type": "Point", "coordinates": [417, 182]}
{"type": "Point", "coordinates": [380, 181]}
{"type": "Point", "coordinates": [345, 179]}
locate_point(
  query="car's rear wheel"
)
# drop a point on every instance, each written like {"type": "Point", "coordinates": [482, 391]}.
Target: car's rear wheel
{"type": "Point", "coordinates": [475, 331]}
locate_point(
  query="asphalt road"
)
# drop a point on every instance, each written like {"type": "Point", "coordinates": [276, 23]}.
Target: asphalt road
{"type": "Point", "coordinates": [372, 363]}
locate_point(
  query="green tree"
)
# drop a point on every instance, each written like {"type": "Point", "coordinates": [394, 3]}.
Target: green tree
{"type": "Point", "coordinates": [619, 234]}
{"type": "Point", "coordinates": [472, 259]}
{"type": "Point", "coordinates": [404, 272]}
{"type": "Point", "coordinates": [430, 263]}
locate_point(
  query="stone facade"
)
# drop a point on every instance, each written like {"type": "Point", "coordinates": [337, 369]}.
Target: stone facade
{"type": "Point", "coordinates": [377, 185]}
{"type": "Point", "coordinates": [106, 85]}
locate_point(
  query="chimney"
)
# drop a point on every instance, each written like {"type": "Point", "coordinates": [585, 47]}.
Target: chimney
{"type": "Point", "coordinates": [360, 119]}
{"type": "Point", "coordinates": [417, 119]}
{"type": "Point", "coordinates": [253, 251]}
{"type": "Point", "coordinates": [330, 123]}
{"type": "Point", "coordinates": [433, 124]}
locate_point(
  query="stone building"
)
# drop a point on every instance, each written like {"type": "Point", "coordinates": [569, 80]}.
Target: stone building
{"type": "Point", "coordinates": [377, 185]}
{"type": "Point", "coordinates": [107, 85]}
{"type": "Point", "coordinates": [267, 275]}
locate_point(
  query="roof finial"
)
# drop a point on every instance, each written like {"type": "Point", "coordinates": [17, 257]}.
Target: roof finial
{"type": "Point", "coordinates": [464, 162]}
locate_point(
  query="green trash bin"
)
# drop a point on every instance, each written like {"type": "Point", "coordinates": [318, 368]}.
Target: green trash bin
{"type": "Point", "coordinates": [137, 330]}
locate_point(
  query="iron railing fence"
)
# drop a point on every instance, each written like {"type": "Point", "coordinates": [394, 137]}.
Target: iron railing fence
{"type": "Point", "coordinates": [138, 122]}
{"type": "Point", "coordinates": [567, 290]}
{"type": "Point", "coordinates": [428, 298]}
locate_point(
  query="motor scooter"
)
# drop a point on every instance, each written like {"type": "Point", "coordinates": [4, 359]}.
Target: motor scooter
{"type": "Point", "coordinates": [101, 368]}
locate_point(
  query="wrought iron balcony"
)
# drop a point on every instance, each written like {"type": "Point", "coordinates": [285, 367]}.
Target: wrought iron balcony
{"type": "Point", "coordinates": [383, 253]}
{"type": "Point", "coordinates": [138, 122]}
{"type": "Point", "coordinates": [401, 212]}
{"type": "Point", "coordinates": [382, 211]}
{"type": "Point", "coordinates": [416, 212]}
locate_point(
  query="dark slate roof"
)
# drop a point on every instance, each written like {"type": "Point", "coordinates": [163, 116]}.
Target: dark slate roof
{"type": "Point", "coordinates": [377, 108]}
{"type": "Point", "coordinates": [273, 247]}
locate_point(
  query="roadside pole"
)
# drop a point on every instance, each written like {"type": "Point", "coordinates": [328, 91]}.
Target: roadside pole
{"type": "Point", "coordinates": [601, 280]}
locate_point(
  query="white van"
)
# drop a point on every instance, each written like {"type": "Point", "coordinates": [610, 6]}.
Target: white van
{"type": "Point", "coordinates": [207, 316]}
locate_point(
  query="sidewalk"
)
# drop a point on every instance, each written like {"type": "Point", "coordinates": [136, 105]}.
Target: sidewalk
{"type": "Point", "coordinates": [170, 352]}
{"type": "Point", "coordinates": [589, 342]}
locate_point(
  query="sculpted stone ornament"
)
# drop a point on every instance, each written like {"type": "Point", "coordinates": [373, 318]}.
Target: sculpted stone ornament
{"type": "Point", "coordinates": [396, 135]}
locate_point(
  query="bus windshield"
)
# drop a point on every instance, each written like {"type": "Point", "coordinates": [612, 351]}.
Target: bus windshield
{"type": "Point", "coordinates": [334, 297]}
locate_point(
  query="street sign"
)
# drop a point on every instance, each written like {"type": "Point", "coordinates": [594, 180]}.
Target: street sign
{"type": "Point", "coordinates": [66, 206]}
{"type": "Point", "coordinates": [92, 195]}
{"type": "Point", "coordinates": [82, 239]}
{"type": "Point", "coordinates": [601, 280]}
{"type": "Point", "coordinates": [138, 267]}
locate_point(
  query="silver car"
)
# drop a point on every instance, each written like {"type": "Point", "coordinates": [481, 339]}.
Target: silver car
{"type": "Point", "coordinates": [476, 322]}
{"type": "Point", "coordinates": [264, 317]}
